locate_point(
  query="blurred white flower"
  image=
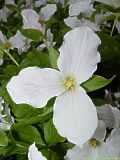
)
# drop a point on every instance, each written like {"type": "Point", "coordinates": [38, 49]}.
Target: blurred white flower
{"type": "Point", "coordinates": [35, 86]}
{"type": "Point", "coordinates": [81, 6]}
{"type": "Point", "coordinates": [5, 12]}
{"type": "Point", "coordinates": [34, 154]}
{"type": "Point", "coordinates": [40, 3]}
{"type": "Point", "coordinates": [118, 26]}
{"type": "Point", "coordinates": [20, 42]}
{"type": "Point", "coordinates": [1, 61]}
{"type": "Point", "coordinates": [10, 2]}
{"type": "Point", "coordinates": [110, 115]}
{"type": "Point", "coordinates": [6, 120]}
{"type": "Point", "coordinates": [17, 41]}
{"type": "Point", "coordinates": [48, 11]}
{"type": "Point", "coordinates": [75, 22]}
{"type": "Point", "coordinates": [49, 41]}
{"type": "Point", "coordinates": [31, 19]}
{"type": "Point", "coordinates": [96, 150]}
{"type": "Point", "coordinates": [77, 7]}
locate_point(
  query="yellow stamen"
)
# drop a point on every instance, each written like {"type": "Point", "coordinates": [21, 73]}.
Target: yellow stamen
{"type": "Point", "coordinates": [69, 83]}
{"type": "Point", "coordinates": [94, 143]}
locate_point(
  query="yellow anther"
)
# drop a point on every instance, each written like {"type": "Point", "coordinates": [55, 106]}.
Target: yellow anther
{"type": "Point", "coordinates": [94, 143]}
{"type": "Point", "coordinates": [69, 83]}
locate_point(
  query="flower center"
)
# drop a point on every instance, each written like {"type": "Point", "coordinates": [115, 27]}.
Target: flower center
{"type": "Point", "coordinates": [94, 143]}
{"type": "Point", "coordinates": [69, 83]}
{"type": "Point", "coordinates": [7, 45]}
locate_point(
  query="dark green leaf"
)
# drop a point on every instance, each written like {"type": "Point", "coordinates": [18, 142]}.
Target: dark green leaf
{"type": "Point", "coordinates": [3, 139]}
{"type": "Point", "coordinates": [28, 134]}
{"type": "Point", "coordinates": [51, 134]}
{"type": "Point", "coordinates": [33, 34]}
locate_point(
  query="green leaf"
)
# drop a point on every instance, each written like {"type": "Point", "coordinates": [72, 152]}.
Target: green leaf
{"type": "Point", "coordinates": [33, 34]}
{"type": "Point", "coordinates": [51, 134]}
{"type": "Point", "coordinates": [95, 83]}
{"type": "Point", "coordinates": [3, 139]}
{"type": "Point", "coordinates": [109, 52]}
{"type": "Point", "coordinates": [113, 3]}
{"type": "Point", "coordinates": [28, 134]}
{"type": "Point", "coordinates": [36, 58]}
{"type": "Point", "coordinates": [53, 55]}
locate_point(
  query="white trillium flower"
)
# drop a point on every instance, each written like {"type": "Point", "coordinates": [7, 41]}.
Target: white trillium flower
{"type": "Point", "coordinates": [75, 22]}
{"type": "Point", "coordinates": [5, 12]}
{"type": "Point", "coordinates": [110, 115]}
{"type": "Point", "coordinates": [81, 6]}
{"type": "Point", "coordinates": [97, 151]}
{"type": "Point", "coordinates": [74, 114]}
{"type": "Point", "coordinates": [118, 26]}
{"type": "Point", "coordinates": [40, 3]}
{"type": "Point", "coordinates": [1, 61]}
{"type": "Point", "coordinates": [34, 154]}
{"type": "Point", "coordinates": [90, 148]}
{"type": "Point", "coordinates": [4, 113]}
{"type": "Point", "coordinates": [20, 42]}
{"type": "Point", "coordinates": [31, 19]}
{"type": "Point", "coordinates": [12, 2]}
{"type": "Point", "coordinates": [48, 11]}
{"type": "Point", "coordinates": [17, 41]}
{"type": "Point", "coordinates": [49, 41]}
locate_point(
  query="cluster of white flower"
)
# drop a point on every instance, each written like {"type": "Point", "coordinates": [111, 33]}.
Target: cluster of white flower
{"type": "Point", "coordinates": [74, 115]}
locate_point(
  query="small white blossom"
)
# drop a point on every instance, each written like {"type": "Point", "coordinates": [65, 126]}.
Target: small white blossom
{"type": "Point", "coordinates": [110, 115]}
{"type": "Point", "coordinates": [96, 150]}
{"type": "Point", "coordinates": [31, 19]}
{"type": "Point", "coordinates": [5, 12]}
{"type": "Point", "coordinates": [34, 154]}
{"type": "Point", "coordinates": [17, 41]}
{"type": "Point", "coordinates": [75, 22]}
{"type": "Point", "coordinates": [81, 6]}
{"type": "Point", "coordinates": [6, 120]}
{"type": "Point", "coordinates": [35, 86]}
{"type": "Point", "coordinates": [40, 3]}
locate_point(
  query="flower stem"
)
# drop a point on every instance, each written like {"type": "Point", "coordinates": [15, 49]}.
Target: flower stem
{"type": "Point", "coordinates": [11, 57]}
{"type": "Point", "coordinates": [115, 21]}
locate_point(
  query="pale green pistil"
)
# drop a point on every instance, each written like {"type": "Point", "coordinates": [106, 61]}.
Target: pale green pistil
{"type": "Point", "coordinates": [94, 143]}
{"type": "Point", "coordinates": [69, 83]}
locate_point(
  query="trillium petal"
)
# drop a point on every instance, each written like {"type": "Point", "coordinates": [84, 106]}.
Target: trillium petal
{"type": "Point", "coordinates": [35, 86]}
{"type": "Point", "coordinates": [34, 154]}
{"type": "Point", "coordinates": [75, 116]}
{"type": "Point", "coordinates": [78, 54]}
{"type": "Point", "coordinates": [20, 42]}
{"type": "Point", "coordinates": [112, 146]}
{"type": "Point", "coordinates": [100, 132]}
{"type": "Point", "coordinates": [3, 39]}
{"type": "Point", "coordinates": [30, 19]}
{"type": "Point", "coordinates": [47, 11]}
{"type": "Point", "coordinates": [77, 153]}
{"type": "Point", "coordinates": [83, 6]}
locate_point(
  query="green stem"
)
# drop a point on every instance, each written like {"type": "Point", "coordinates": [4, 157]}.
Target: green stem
{"type": "Point", "coordinates": [11, 57]}
{"type": "Point", "coordinates": [114, 24]}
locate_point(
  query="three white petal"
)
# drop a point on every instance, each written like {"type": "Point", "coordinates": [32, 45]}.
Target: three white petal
{"type": "Point", "coordinates": [75, 115]}
{"type": "Point", "coordinates": [106, 150]}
